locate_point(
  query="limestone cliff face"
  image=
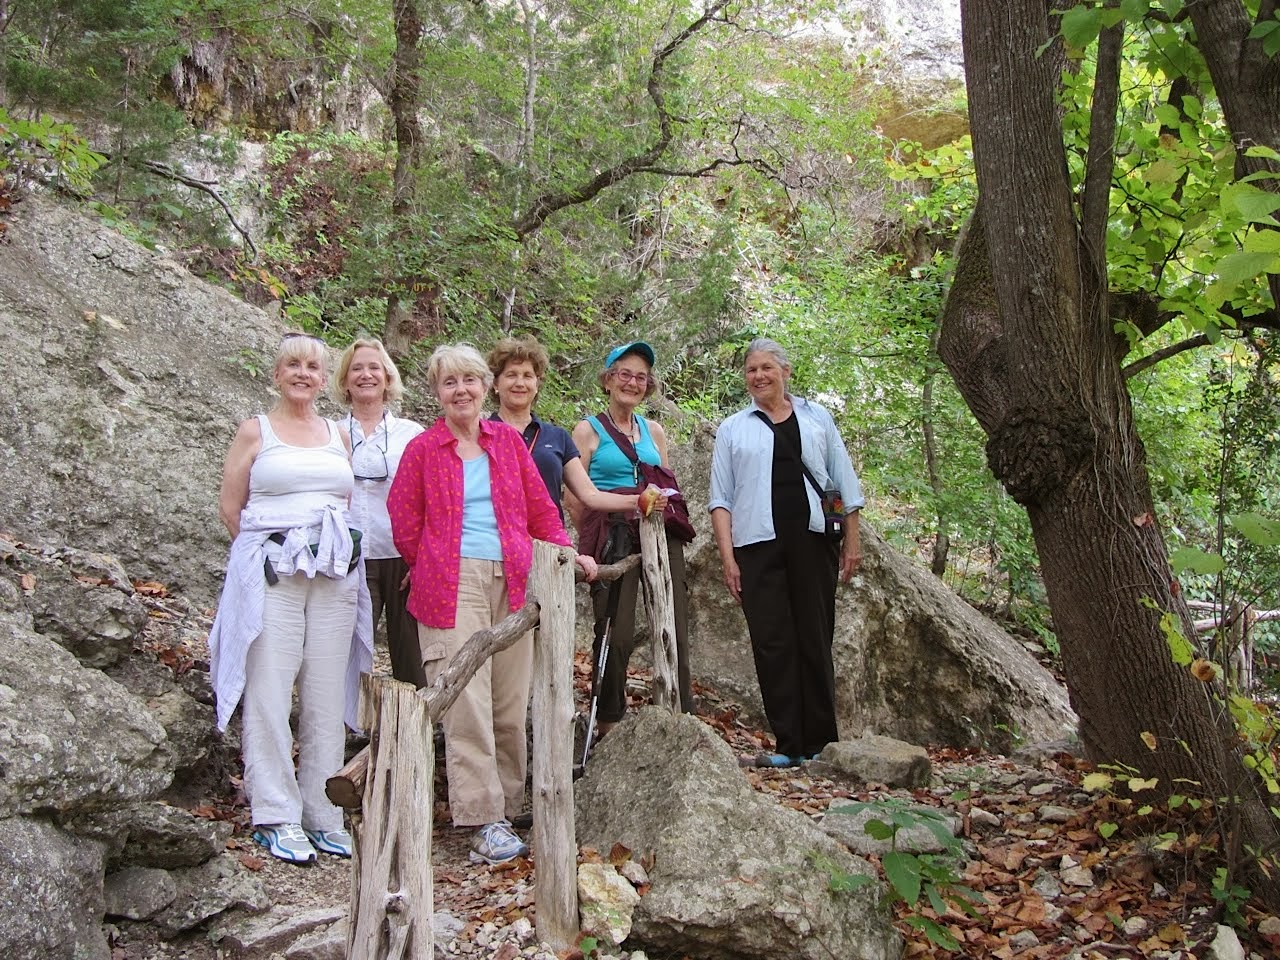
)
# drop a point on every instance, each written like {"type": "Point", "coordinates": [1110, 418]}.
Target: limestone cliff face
{"type": "Point", "coordinates": [915, 52]}
{"type": "Point", "coordinates": [126, 379]}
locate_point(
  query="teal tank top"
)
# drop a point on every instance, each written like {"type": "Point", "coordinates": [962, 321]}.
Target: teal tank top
{"type": "Point", "coordinates": [610, 467]}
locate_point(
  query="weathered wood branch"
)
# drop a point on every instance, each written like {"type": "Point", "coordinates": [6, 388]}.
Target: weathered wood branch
{"type": "Point", "coordinates": [205, 186]}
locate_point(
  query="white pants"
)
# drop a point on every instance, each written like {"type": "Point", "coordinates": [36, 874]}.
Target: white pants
{"type": "Point", "coordinates": [306, 637]}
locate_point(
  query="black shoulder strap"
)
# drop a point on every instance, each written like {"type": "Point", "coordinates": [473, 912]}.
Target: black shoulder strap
{"type": "Point", "coordinates": [779, 435]}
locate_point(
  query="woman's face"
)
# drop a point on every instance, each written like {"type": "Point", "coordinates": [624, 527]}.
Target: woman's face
{"type": "Point", "coordinates": [517, 386]}
{"type": "Point", "coordinates": [628, 380]}
{"type": "Point", "coordinates": [300, 378]}
{"type": "Point", "coordinates": [366, 377]}
{"type": "Point", "coordinates": [766, 378]}
{"type": "Point", "coordinates": [460, 395]}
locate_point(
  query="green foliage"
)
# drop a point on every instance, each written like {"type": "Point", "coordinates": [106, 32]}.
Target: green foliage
{"type": "Point", "coordinates": [1231, 896]}
{"type": "Point", "coordinates": [44, 148]}
{"type": "Point", "coordinates": [911, 876]}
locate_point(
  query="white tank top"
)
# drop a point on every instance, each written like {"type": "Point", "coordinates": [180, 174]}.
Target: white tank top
{"type": "Point", "coordinates": [300, 478]}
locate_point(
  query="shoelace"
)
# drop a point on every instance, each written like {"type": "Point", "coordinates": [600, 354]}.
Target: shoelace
{"type": "Point", "coordinates": [291, 831]}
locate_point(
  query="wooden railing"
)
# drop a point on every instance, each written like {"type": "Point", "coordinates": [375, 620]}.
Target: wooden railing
{"type": "Point", "coordinates": [387, 787]}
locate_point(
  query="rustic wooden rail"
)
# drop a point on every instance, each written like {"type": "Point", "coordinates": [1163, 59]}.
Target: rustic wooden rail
{"type": "Point", "coordinates": [387, 787]}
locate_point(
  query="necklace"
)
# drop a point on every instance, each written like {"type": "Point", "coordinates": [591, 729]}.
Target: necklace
{"type": "Point", "coordinates": [629, 430]}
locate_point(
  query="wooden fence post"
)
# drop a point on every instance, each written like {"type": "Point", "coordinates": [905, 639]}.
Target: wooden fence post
{"type": "Point", "coordinates": [655, 578]}
{"type": "Point", "coordinates": [391, 896]}
{"type": "Point", "coordinates": [555, 842]}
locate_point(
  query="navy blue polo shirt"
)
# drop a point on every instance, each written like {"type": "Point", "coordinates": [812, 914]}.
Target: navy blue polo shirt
{"type": "Point", "coordinates": [552, 447]}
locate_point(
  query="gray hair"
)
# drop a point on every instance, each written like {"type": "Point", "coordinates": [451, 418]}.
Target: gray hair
{"type": "Point", "coordinates": [457, 358]}
{"type": "Point", "coordinates": [771, 347]}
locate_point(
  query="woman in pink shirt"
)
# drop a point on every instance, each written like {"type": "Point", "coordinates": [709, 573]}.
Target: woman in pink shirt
{"type": "Point", "coordinates": [465, 506]}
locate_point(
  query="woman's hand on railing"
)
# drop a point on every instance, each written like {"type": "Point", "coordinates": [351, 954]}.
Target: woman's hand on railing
{"type": "Point", "coordinates": [588, 565]}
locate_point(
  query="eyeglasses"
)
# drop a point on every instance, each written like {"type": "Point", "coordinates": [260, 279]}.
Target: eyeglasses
{"type": "Point", "coordinates": [369, 468]}
{"type": "Point", "coordinates": [626, 376]}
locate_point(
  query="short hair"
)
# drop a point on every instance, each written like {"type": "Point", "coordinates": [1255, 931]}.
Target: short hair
{"type": "Point", "coordinates": [296, 345]}
{"type": "Point", "coordinates": [523, 349]}
{"type": "Point", "coordinates": [394, 389]}
{"type": "Point", "coordinates": [456, 358]}
{"type": "Point", "coordinates": [650, 389]}
{"type": "Point", "coordinates": [771, 347]}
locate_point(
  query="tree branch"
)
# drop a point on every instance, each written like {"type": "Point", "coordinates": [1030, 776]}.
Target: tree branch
{"type": "Point", "coordinates": [205, 186]}
{"type": "Point", "coordinates": [1102, 136]}
{"type": "Point", "coordinates": [1164, 353]}
{"type": "Point", "coordinates": [643, 162]}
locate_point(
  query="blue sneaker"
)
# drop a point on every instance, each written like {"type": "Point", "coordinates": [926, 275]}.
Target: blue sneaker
{"type": "Point", "coordinates": [336, 842]}
{"type": "Point", "coordinates": [777, 760]}
{"type": "Point", "coordinates": [497, 843]}
{"type": "Point", "coordinates": [285, 841]}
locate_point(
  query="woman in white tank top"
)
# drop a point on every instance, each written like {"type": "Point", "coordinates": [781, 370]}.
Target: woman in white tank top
{"type": "Point", "coordinates": [294, 608]}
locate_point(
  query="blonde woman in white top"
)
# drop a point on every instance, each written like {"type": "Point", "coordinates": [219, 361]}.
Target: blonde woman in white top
{"type": "Point", "coordinates": [367, 382]}
{"type": "Point", "coordinates": [291, 607]}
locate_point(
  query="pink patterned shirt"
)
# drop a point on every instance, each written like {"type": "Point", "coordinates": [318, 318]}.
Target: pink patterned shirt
{"type": "Point", "coordinates": [425, 505]}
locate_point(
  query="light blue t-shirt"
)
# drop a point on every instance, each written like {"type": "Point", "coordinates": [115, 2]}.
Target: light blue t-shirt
{"type": "Point", "coordinates": [479, 524]}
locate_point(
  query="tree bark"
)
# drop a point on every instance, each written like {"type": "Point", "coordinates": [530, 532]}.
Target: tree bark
{"type": "Point", "coordinates": [406, 94]}
{"type": "Point", "coordinates": [1027, 336]}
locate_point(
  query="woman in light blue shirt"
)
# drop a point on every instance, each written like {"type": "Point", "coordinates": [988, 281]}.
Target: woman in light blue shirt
{"type": "Point", "coordinates": [779, 563]}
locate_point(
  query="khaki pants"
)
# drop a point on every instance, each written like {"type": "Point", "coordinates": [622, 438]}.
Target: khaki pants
{"type": "Point", "coordinates": [484, 731]}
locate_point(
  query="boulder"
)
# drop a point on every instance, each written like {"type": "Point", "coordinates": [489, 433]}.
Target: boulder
{"type": "Point", "coordinates": [732, 873]}
{"type": "Point", "coordinates": [71, 739]}
{"type": "Point", "coordinates": [51, 900]}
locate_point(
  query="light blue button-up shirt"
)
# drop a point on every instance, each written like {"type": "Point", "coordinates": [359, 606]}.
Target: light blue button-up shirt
{"type": "Point", "coordinates": [742, 469]}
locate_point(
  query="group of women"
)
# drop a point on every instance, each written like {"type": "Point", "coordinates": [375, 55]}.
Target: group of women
{"type": "Point", "coordinates": [337, 523]}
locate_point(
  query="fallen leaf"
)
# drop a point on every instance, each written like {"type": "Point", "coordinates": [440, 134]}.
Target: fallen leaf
{"type": "Point", "coordinates": [251, 862]}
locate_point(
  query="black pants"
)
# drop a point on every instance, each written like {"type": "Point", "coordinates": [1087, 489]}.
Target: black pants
{"type": "Point", "coordinates": [613, 686]}
{"type": "Point", "coordinates": [789, 599]}
{"type": "Point", "coordinates": [383, 577]}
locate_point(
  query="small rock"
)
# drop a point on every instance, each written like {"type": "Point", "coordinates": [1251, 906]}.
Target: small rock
{"type": "Point", "coordinates": [137, 893]}
{"type": "Point", "coordinates": [983, 818]}
{"type": "Point", "coordinates": [1158, 892]}
{"type": "Point", "coordinates": [1054, 814]}
{"type": "Point", "coordinates": [1077, 877]}
{"type": "Point", "coordinates": [1269, 926]}
{"type": "Point", "coordinates": [1067, 862]}
{"type": "Point", "coordinates": [1046, 885]}
{"type": "Point", "coordinates": [1136, 926]}
{"type": "Point", "coordinates": [1023, 940]}
{"type": "Point", "coordinates": [1225, 946]}
{"type": "Point", "coordinates": [1040, 789]}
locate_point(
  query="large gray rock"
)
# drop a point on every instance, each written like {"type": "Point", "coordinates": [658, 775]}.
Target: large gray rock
{"type": "Point", "coordinates": [51, 900]}
{"type": "Point", "coordinates": [70, 738]}
{"type": "Point", "coordinates": [83, 601]}
{"type": "Point", "coordinates": [734, 874]}
{"type": "Point", "coordinates": [153, 834]}
{"type": "Point", "coordinates": [912, 660]}
{"type": "Point", "coordinates": [133, 377]}
{"type": "Point", "coordinates": [209, 890]}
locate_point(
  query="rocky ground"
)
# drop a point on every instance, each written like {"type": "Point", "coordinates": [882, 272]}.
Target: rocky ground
{"type": "Point", "coordinates": [1052, 869]}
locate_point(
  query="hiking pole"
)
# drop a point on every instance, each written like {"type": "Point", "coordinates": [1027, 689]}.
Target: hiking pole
{"type": "Point", "coordinates": [602, 662]}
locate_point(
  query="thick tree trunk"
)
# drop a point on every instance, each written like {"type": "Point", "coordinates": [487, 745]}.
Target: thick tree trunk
{"type": "Point", "coordinates": [1028, 342]}
{"type": "Point", "coordinates": [406, 85]}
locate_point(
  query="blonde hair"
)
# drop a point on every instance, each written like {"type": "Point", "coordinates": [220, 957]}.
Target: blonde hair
{"type": "Point", "coordinates": [457, 358]}
{"type": "Point", "coordinates": [394, 389]}
{"type": "Point", "coordinates": [296, 345]}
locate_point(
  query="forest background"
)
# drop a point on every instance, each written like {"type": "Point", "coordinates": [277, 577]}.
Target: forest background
{"type": "Point", "coordinates": [593, 172]}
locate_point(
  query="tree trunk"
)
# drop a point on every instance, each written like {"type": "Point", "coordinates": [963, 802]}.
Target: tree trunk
{"type": "Point", "coordinates": [1029, 345]}
{"type": "Point", "coordinates": [406, 87]}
